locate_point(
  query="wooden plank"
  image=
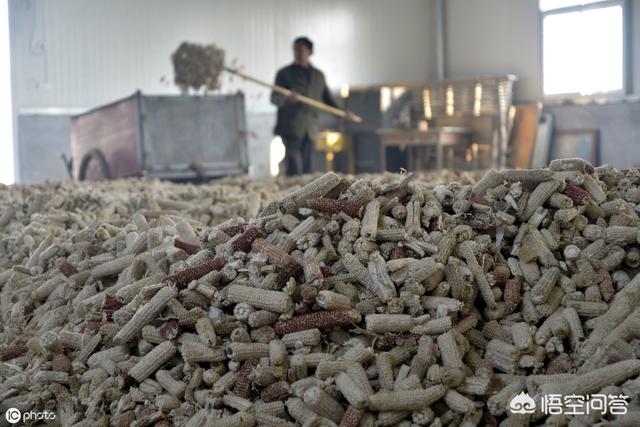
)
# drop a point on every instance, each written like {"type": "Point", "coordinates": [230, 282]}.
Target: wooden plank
{"type": "Point", "coordinates": [524, 133]}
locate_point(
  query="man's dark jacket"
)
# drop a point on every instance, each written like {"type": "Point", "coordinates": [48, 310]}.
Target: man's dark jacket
{"type": "Point", "coordinates": [296, 119]}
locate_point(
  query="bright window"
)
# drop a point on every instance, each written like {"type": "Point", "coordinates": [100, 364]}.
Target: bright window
{"type": "Point", "coordinates": [582, 46]}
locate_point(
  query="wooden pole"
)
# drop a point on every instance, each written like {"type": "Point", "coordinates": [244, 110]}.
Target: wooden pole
{"type": "Point", "coordinates": [304, 99]}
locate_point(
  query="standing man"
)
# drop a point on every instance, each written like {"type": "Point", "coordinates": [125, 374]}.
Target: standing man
{"type": "Point", "coordinates": [297, 122]}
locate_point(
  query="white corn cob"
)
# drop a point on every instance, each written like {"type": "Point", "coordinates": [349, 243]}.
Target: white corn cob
{"type": "Point", "coordinates": [145, 314]}
{"type": "Point", "coordinates": [307, 337]}
{"type": "Point", "coordinates": [483, 285]}
{"type": "Point", "coordinates": [458, 402]}
{"type": "Point", "coordinates": [239, 419]}
{"type": "Point", "coordinates": [385, 288]}
{"type": "Point", "coordinates": [405, 400]}
{"type": "Point", "coordinates": [195, 351]}
{"type": "Point", "coordinates": [593, 187]}
{"type": "Point", "coordinates": [384, 366]}
{"type": "Point", "coordinates": [174, 387]}
{"type": "Point", "coordinates": [111, 268]}
{"type": "Point", "coordinates": [433, 327]}
{"type": "Point", "coordinates": [383, 323]}
{"type": "Point", "coordinates": [521, 335]}
{"type": "Point", "coordinates": [152, 361]}
{"type": "Point", "coordinates": [369, 228]}
{"type": "Point", "coordinates": [323, 404]}
{"type": "Point", "coordinates": [350, 390]}
{"type": "Point", "coordinates": [502, 355]}
{"type": "Point", "coordinates": [206, 332]}
{"type": "Point", "coordinates": [332, 368]}
{"type": "Point", "coordinates": [240, 351]}
{"type": "Point", "coordinates": [330, 300]}
{"type": "Point", "coordinates": [48, 377]}
{"type": "Point", "coordinates": [592, 382]}
{"type": "Point", "coordinates": [541, 291]}
{"type": "Point", "coordinates": [449, 351]}
{"type": "Point", "coordinates": [542, 192]}
{"type": "Point", "coordinates": [491, 179]}
{"type": "Point", "coordinates": [277, 352]}
{"type": "Point", "coordinates": [275, 301]}
{"type": "Point", "coordinates": [314, 189]}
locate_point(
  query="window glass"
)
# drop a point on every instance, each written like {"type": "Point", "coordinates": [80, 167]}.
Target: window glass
{"type": "Point", "coordinates": [583, 51]}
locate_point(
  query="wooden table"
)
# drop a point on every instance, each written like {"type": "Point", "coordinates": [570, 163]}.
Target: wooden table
{"type": "Point", "coordinates": [439, 138]}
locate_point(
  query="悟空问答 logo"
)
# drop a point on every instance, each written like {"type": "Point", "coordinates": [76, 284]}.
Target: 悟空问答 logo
{"type": "Point", "coordinates": [522, 404]}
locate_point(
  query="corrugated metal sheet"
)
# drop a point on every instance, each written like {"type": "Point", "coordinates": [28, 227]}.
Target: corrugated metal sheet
{"type": "Point", "coordinates": [79, 53]}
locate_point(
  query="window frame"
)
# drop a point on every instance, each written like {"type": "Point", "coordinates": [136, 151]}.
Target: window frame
{"type": "Point", "coordinates": [626, 63]}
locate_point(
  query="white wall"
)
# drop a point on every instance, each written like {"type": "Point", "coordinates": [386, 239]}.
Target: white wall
{"type": "Point", "coordinates": [492, 37]}
{"type": "Point", "coordinates": [81, 53]}
{"type": "Point", "coordinates": [6, 125]}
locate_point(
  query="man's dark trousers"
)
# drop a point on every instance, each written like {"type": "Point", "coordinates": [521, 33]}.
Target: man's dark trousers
{"type": "Point", "coordinates": [297, 158]}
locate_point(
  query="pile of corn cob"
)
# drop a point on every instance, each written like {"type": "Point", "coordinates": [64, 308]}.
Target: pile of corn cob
{"type": "Point", "coordinates": [196, 66]}
{"type": "Point", "coordinates": [375, 301]}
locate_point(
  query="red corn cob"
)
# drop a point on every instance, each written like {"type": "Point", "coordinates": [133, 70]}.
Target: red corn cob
{"type": "Point", "coordinates": [191, 299]}
{"type": "Point", "coordinates": [276, 256]}
{"type": "Point", "coordinates": [163, 421]}
{"type": "Point", "coordinates": [327, 271]}
{"type": "Point", "coordinates": [185, 246]}
{"type": "Point", "coordinates": [12, 351]}
{"type": "Point", "coordinates": [318, 319]}
{"type": "Point", "coordinates": [351, 417]}
{"type": "Point", "coordinates": [191, 317]}
{"type": "Point", "coordinates": [433, 225]}
{"type": "Point", "coordinates": [110, 304]}
{"type": "Point", "coordinates": [225, 328]}
{"type": "Point", "coordinates": [387, 342]}
{"type": "Point", "coordinates": [182, 278]}
{"type": "Point", "coordinates": [512, 291]}
{"type": "Point", "coordinates": [244, 241]}
{"type": "Point", "coordinates": [67, 269]}
{"type": "Point", "coordinates": [397, 252]}
{"type": "Point", "coordinates": [277, 391]}
{"type": "Point", "coordinates": [334, 206]}
{"type": "Point", "coordinates": [293, 270]}
{"type": "Point", "coordinates": [579, 195]}
{"type": "Point", "coordinates": [91, 326]}
{"type": "Point", "coordinates": [501, 274]}
{"type": "Point", "coordinates": [486, 262]}
{"type": "Point", "coordinates": [242, 386]}
{"type": "Point", "coordinates": [289, 267]}
{"type": "Point", "coordinates": [607, 288]}
{"type": "Point", "coordinates": [302, 309]}
{"type": "Point", "coordinates": [613, 358]}
{"type": "Point", "coordinates": [488, 420]}
{"type": "Point", "coordinates": [336, 191]}
{"type": "Point", "coordinates": [480, 222]}
{"type": "Point", "coordinates": [60, 362]}
{"type": "Point", "coordinates": [170, 329]}
{"type": "Point", "coordinates": [559, 365]}
{"type": "Point", "coordinates": [232, 230]}
{"type": "Point", "coordinates": [479, 199]}
{"type": "Point", "coordinates": [592, 293]}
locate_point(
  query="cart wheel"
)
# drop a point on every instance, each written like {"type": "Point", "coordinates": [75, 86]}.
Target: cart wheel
{"type": "Point", "coordinates": [94, 167]}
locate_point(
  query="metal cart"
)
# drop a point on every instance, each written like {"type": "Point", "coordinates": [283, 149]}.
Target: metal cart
{"type": "Point", "coordinates": [171, 137]}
